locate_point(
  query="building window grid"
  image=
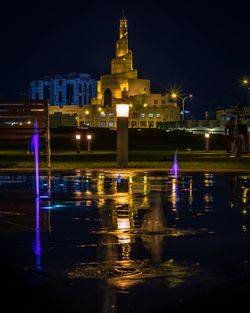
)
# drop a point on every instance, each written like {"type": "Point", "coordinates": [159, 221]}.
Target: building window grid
{"type": "Point", "coordinates": [59, 85]}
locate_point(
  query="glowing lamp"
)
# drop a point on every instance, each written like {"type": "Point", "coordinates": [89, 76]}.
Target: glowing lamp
{"type": "Point", "coordinates": [122, 110]}
{"type": "Point", "coordinates": [89, 137]}
{"type": "Point", "coordinates": [207, 135]}
{"type": "Point", "coordinates": [78, 136]}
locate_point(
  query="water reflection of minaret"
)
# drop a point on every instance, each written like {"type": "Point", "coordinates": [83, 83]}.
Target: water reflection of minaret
{"type": "Point", "coordinates": [153, 226]}
{"type": "Point", "coordinates": [154, 221]}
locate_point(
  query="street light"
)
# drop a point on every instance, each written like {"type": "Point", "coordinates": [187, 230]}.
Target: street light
{"type": "Point", "coordinates": [207, 136]}
{"type": "Point", "coordinates": [48, 149]}
{"type": "Point", "coordinates": [89, 137]}
{"type": "Point", "coordinates": [122, 114]}
{"type": "Point", "coordinates": [78, 143]}
{"type": "Point", "coordinates": [183, 99]}
{"type": "Point", "coordinates": [246, 83]}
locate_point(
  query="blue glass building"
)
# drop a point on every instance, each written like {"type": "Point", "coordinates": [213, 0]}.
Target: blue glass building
{"type": "Point", "coordinates": [69, 89]}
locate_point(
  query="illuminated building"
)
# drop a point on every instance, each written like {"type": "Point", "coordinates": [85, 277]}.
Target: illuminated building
{"type": "Point", "coordinates": [123, 81]}
{"type": "Point", "coordinates": [18, 116]}
{"type": "Point", "coordinates": [68, 96]}
{"type": "Point", "coordinates": [122, 84]}
{"type": "Point", "coordinates": [69, 89]}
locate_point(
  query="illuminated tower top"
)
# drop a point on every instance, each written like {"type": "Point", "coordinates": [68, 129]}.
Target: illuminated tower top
{"type": "Point", "coordinates": [122, 42]}
{"type": "Point", "coordinates": [123, 62]}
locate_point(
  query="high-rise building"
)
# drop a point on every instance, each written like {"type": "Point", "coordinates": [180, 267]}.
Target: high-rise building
{"type": "Point", "coordinates": [69, 89]}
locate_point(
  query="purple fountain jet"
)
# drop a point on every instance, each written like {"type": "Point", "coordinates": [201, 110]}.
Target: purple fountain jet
{"type": "Point", "coordinates": [175, 168]}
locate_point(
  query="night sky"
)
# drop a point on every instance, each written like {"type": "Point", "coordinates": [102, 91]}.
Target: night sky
{"type": "Point", "coordinates": [203, 48]}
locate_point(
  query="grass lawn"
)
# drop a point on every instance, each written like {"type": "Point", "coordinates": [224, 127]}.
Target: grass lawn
{"type": "Point", "coordinates": [187, 160]}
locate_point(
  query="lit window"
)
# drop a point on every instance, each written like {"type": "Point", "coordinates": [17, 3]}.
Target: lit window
{"type": "Point", "coordinates": [111, 124]}
{"type": "Point", "coordinates": [150, 124]}
{"type": "Point", "coordinates": [143, 115]}
{"type": "Point", "coordinates": [111, 115]}
{"type": "Point", "coordinates": [150, 115]}
{"type": "Point", "coordinates": [158, 115]}
{"type": "Point", "coordinates": [103, 115]}
{"type": "Point", "coordinates": [103, 124]}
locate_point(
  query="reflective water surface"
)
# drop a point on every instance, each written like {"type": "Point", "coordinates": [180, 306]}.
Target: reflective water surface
{"type": "Point", "coordinates": [124, 242]}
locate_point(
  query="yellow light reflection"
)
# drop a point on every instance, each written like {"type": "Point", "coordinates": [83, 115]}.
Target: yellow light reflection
{"type": "Point", "coordinates": [100, 190]}
{"type": "Point", "coordinates": [114, 186]}
{"type": "Point", "coordinates": [122, 198]}
{"type": "Point", "coordinates": [130, 185]}
{"type": "Point", "coordinates": [208, 180]}
{"type": "Point", "coordinates": [100, 184]}
{"type": "Point", "coordinates": [145, 184]}
{"type": "Point", "coordinates": [174, 194]}
{"type": "Point", "coordinates": [123, 223]}
{"type": "Point", "coordinates": [190, 191]}
{"type": "Point", "coordinates": [244, 196]}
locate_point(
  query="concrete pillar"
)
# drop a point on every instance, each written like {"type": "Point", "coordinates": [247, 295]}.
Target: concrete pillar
{"type": "Point", "coordinates": [122, 142]}
{"type": "Point", "coordinates": [122, 113]}
{"type": "Point", "coordinates": [207, 136]}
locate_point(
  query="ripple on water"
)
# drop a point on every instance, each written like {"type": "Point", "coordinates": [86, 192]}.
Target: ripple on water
{"type": "Point", "coordinates": [127, 273]}
{"type": "Point", "coordinates": [167, 231]}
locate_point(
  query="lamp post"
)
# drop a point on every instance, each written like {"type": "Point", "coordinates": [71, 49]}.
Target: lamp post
{"type": "Point", "coordinates": [89, 137]}
{"type": "Point", "coordinates": [245, 83]}
{"type": "Point", "coordinates": [183, 99]}
{"type": "Point", "coordinates": [122, 114]}
{"type": "Point", "coordinates": [48, 149]}
{"type": "Point", "coordinates": [78, 143]}
{"type": "Point", "coordinates": [207, 136]}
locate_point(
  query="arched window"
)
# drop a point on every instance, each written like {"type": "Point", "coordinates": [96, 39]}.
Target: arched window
{"type": "Point", "coordinates": [108, 97]}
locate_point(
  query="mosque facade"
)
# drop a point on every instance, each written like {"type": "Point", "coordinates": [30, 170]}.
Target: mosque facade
{"type": "Point", "coordinates": [122, 85]}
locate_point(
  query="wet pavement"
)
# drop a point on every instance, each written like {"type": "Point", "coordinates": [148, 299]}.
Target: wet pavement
{"type": "Point", "coordinates": [107, 241]}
